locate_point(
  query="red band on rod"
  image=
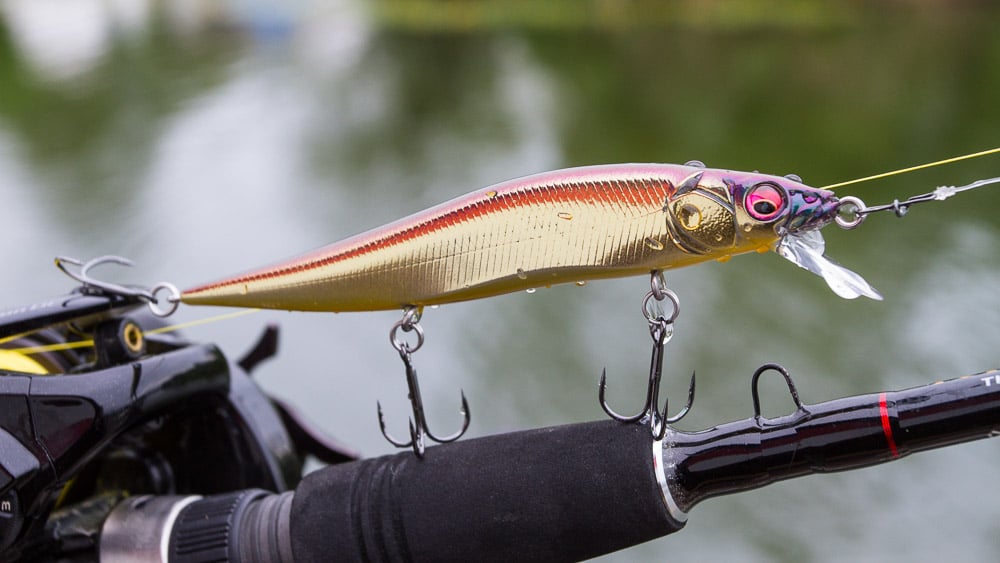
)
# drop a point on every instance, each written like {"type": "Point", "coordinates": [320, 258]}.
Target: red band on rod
{"type": "Point", "coordinates": [883, 409]}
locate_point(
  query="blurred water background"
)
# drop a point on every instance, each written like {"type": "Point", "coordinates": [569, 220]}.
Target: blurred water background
{"type": "Point", "coordinates": [205, 137]}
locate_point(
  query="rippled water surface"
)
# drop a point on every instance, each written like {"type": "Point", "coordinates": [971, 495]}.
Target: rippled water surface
{"type": "Point", "coordinates": [204, 141]}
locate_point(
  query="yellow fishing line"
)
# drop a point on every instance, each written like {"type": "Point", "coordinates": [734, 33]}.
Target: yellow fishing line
{"type": "Point", "coordinates": [161, 330]}
{"type": "Point", "coordinates": [199, 322]}
{"type": "Point", "coordinates": [913, 168]}
{"type": "Point", "coordinates": [52, 347]}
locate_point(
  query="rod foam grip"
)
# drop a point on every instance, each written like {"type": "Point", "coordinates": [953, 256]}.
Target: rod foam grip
{"type": "Point", "coordinates": [553, 494]}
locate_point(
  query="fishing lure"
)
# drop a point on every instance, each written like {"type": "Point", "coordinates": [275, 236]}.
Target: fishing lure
{"type": "Point", "coordinates": [565, 226]}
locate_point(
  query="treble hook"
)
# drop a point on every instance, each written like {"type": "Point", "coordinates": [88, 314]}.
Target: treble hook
{"type": "Point", "coordinates": [93, 285]}
{"type": "Point", "coordinates": [418, 423]}
{"type": "Point", "coordinates": [661, 330]}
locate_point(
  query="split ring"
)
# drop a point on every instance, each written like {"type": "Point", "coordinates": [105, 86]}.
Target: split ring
{"type": "Point", "coordinates": [407, 325]}
{"type": "Point", "coordinates": [173, 299]}
{"type": "Point", "coordinates": [665, 294]}
{"type": "Point", "coordinates": [850, 212]}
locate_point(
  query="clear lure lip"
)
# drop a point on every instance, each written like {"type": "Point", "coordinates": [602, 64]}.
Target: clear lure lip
{"type": "Point", "coordinates": [805, 249]}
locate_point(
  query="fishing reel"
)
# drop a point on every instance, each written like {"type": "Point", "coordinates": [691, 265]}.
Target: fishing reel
{"type": "Point", "coordinates": [95, 406]}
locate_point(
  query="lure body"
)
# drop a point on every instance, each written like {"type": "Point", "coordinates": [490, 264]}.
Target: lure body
{"type": "Point", "coordinates": [564, 226]}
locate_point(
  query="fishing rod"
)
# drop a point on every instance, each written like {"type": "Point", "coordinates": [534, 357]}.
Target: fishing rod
{"type": "Point", "coordinates": [562, 493]}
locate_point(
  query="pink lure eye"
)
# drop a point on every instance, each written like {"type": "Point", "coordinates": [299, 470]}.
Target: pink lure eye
{"type": "Point", "coordinates": [764, 202]}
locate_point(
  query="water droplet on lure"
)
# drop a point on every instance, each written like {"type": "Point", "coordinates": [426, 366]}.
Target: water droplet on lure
{"type": "Point", "coordinates": [530, 290]}
{"type": "Point", "coordinates": [653, 244]}
{"type": "Point", "coordinates": [565, 215]}
{"type": "Point", "coordinates": [522, 274]}
{"type": "Point", "coordinates": [581, 283]}
{"type": "Point", "coordinates": [491, 193]}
